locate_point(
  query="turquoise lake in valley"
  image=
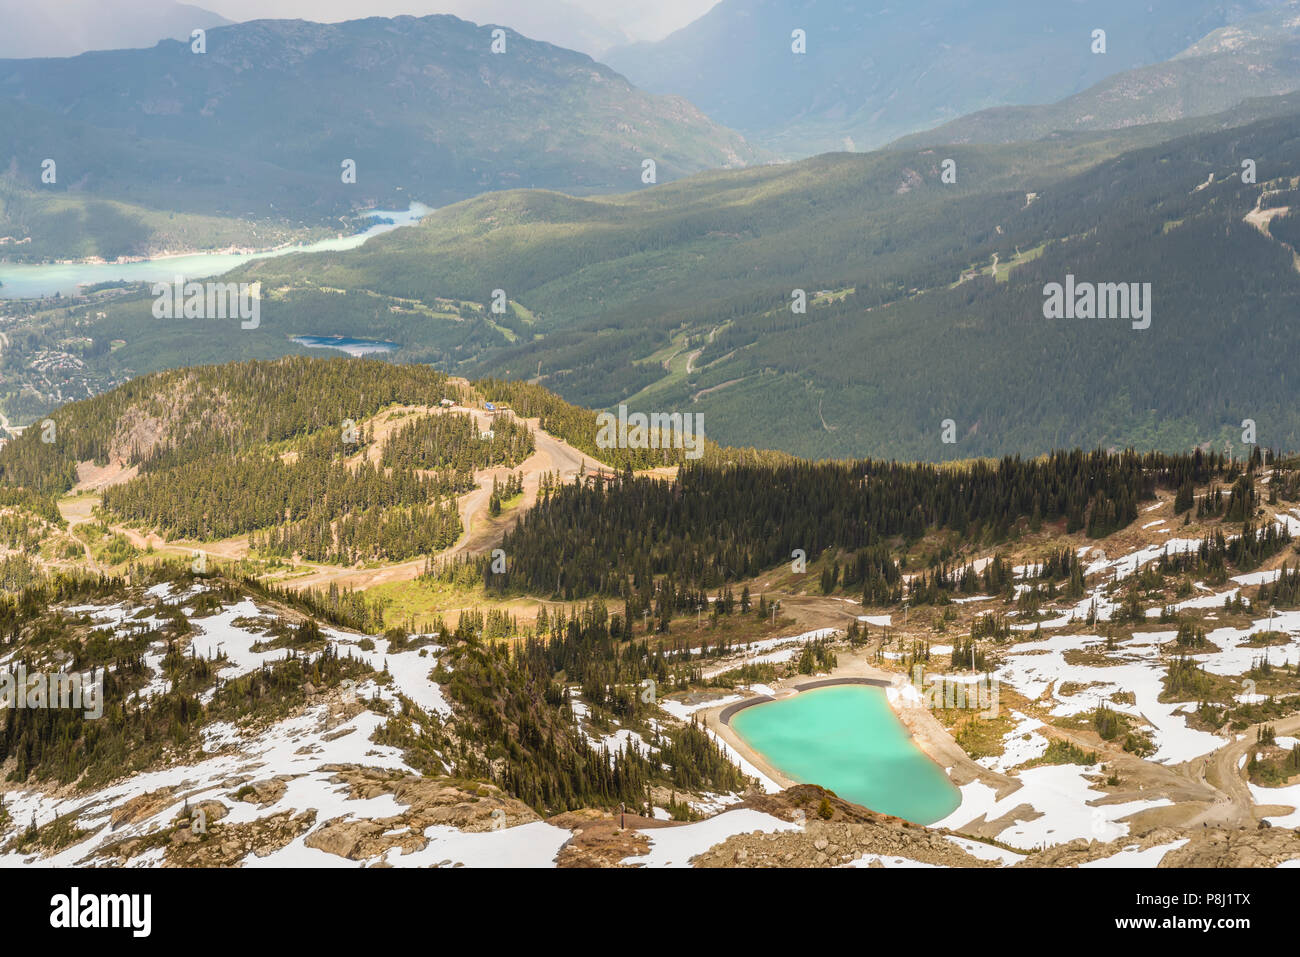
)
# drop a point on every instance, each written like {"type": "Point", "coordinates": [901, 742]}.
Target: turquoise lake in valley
{"type": "Point", "coordinates": [848, 739]}
{"type": "Point", "coordinates": [348, 344]}
{"type": "Point", "coordinates": [34, 280]}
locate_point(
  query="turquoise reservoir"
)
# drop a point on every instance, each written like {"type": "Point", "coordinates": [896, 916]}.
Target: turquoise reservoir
{"type": "Point", "coordinates": [848, 739]}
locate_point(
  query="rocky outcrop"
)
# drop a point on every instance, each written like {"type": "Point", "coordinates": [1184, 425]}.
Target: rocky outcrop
{"type": "Point", "coordinates": [429, 802]}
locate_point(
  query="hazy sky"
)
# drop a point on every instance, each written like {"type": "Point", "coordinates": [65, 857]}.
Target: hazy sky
{"type": "Point", "coordinates": [636, 19]}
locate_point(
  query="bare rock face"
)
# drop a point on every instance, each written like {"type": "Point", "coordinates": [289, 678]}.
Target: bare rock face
{"type": "Point", "coordinates": [262, 793]}
{"type": "Point", "coordinates": [598, 841]}
{"type": "Point", "coordinates": [198, 833]}
{"type": "Point", "coordinates": [1203, 847]}
{"type": "Point", "coordinates": [207, 812]}
{"type": "Point", "coordinates": [833, 832]}
{"type": "Point", "coordinates": [805, 802]}
{"type": "Point", "coordinates": [359, 840]}
{"type": "Point", "coordinates": [445, 801]}
{"type": "Point", "coordinates": [1225, 847]}
{"type": "Point", "coordinates": [201, 840]}
{"type": "Point", "coordinates": [227, 845]}
{"type": "Point", "coordinates": [429, 802]}
{"type": "Point", "coordinates": [834, 843]}
{"type": "Point", "coordinates": [141, 807]}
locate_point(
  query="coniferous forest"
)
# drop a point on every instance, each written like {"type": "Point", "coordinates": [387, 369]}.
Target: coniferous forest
{"type": "Point", "coordinates": [720, 523]}
{"type": "Point", "coordinates": [454, 442]}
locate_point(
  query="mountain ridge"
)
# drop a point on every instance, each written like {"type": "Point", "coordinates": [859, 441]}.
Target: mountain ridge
{"type": "Point", "coordinates": [849, 90]}
{"type": "Point", "coordinates": [408, 96]}
{"type": "Point", "coordinates": [82, 25]}
{"type": "Point", "coordinates": [1257, 57]}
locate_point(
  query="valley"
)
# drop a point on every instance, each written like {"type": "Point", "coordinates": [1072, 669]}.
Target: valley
{"type": "Point", "coordinates": [803, 436]}
{"type": "Point", "coordinates": [600, 293]}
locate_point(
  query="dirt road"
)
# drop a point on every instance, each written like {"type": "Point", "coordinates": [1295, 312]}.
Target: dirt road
{"type": "Point", "coordinates": [480, 530]}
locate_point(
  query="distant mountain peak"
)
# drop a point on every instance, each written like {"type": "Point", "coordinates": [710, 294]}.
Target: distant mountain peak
{"type": "Point", "coordinates": [873, 73]}
{"type": "Point", "coordinates": [423, 106]}
{"type": "Point", "coordinates": [76, 26]}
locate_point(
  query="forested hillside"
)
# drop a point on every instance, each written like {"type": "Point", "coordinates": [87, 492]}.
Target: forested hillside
{"type": "Point", "coordinates": [569, 677]}
{"type": "Point", "coordinates": [657, 544]}
{"type": "Point", "coordinates": [171, 418]}
{"type": "Point", "coordinates": [285, 456]}
{"type": "Point", "coordinates": [454, 442]}
{"type": "Point", "coordinates": [514, 722]}
{"type": "Point", "coordinates": [44, 225]}
{"type": "Point", "coordinates": [923, 334]}
{"type": "Point", "coordinates": [681, 297]}
{"type": "Point", "coordinates": [223, 495]}
{"type": "Point", "coordinates": [217, 458]}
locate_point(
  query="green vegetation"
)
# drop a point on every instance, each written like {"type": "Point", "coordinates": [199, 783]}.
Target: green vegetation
{"type": "Point", "coordinates": [526, 739]}
{"type": "Point", "coordinates": [699, 272]}
{"type": "Point", "coordinates": [514, 722]}
{"type": "Point", "coordinates": [217, 459]}
{"type": "Point", "coordinates": [1283, 593]}
{"type": "Point", "coordinates": [1112, 725]}
{"type": "Point", "coordinates": [67, 745]}
{"type": "Point", "coordinates": [1269, 764]}
{"type": "Point", "coordinates": [453, 441]}
{"type": "Point", "coordinates": [46, 224]}
{"type": "Point", "coordinates": [705, 263]}
{"type": "Point", "coordinates": [1255, 58]}
{"type": "Point", "coordinates": [189, 414]}
{"type": "Point", "coordinates": [257, 490]}
{"type": "Point", "coordinates": [1060, 751]}
{"type": "Point", "coordinates": [816, 656]}
{"type": "Point", "coordinates": [979, 737]}
{"type": "Point", "coordinates": [653, 565]}
{"type": "Point", "coordinates": [572, 423]}
{"type": "Point", "coordinates": [700, 532]}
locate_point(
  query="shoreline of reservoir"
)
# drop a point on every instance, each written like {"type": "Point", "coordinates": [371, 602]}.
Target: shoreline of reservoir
{"type": "Point", "coordinates": [925, 732]}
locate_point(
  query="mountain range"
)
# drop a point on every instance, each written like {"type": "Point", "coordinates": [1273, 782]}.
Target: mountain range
{"type": "Point", "coordinates": [1256, 57]}
{"type": "Point", "coordinates": [874, 72]}
{"type": "Point", "coordinates": [262, 122]}
{"type": "Point", "coordinates": [888, 303]}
